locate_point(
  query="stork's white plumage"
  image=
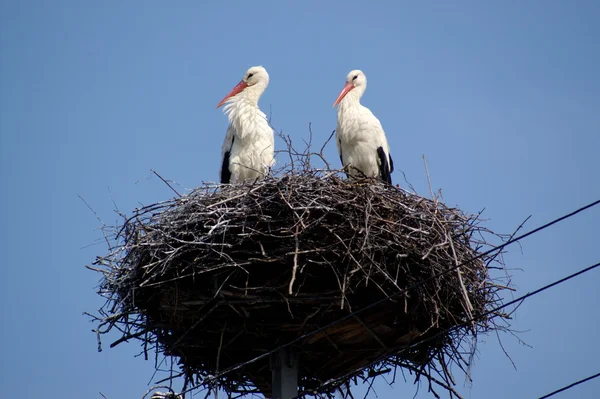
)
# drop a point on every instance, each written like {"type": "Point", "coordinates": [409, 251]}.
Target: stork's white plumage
{"type": "Point", "coordinates": [360, 138]}
{"type": "Point", "coordinates": [248, 149]}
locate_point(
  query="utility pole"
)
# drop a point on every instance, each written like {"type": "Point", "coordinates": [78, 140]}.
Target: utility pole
{"type": "Point", "coordinates": [284, 368]}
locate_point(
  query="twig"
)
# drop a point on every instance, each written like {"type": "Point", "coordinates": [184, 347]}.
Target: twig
{"type": "Point", "coordinates": [166, 182]}
{"type": "Point", "coordinates": [428, 178]}
{"type": "Point", "coordinates": [295, 261]}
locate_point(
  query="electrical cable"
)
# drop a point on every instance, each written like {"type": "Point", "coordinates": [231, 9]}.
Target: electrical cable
{"type": "Point", "coordinates": [401, 292]}
{"type": "Point", "coordinates": [565, 388]}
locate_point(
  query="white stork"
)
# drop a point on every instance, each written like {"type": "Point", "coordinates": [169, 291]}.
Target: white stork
{"type": "Point", "coordinates": [247, 152]}
{"type": "Point", "coordinates": [360, 138]}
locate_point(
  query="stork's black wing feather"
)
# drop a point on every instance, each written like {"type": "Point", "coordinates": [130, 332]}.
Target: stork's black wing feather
{"type": "Point", "coordinates": [225, 172]}
{"type": "Point", "coordinates": [385, 172]}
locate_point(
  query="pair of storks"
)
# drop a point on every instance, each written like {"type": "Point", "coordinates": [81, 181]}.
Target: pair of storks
{"type": "Point", "coordinates": [248, 149]}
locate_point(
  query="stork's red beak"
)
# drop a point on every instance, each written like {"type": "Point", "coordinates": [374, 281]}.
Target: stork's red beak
{"type": "Point", "coordinates": [236, 90]}
{"type": "Point", "coordinates": [349, 86]}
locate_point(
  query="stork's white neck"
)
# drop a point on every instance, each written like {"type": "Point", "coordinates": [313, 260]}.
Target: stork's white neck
{"type": "Point", "coordinates": [245, 102]}
{"type": "Point", "coordinates": [250, 94]}
{"type": "Point", "coordinates": [244, 115]}
{"type": "Point", "coordinates": [351, 100]}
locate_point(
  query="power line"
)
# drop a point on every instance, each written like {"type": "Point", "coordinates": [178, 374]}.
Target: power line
{"type": "Point", "coordinates": [419, 283]}
{"type": "Point", "coordinates": [570, 386]}
{"type": "Point", "coordinates": [505, 305]}
{"type": "Point", "coordinates": [443, 332]}
{"type": "Point", "coordinates": [401, 292]}
{"type": "Point", "coordinates": [532, 293]}
{"type": "Point", "coordinates": [519, 299]}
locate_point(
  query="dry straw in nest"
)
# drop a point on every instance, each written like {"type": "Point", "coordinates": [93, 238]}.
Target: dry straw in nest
{"type": "Point", "coordinates": [225, 274]}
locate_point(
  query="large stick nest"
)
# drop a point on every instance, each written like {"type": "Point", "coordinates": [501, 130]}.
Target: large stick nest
{"type": "Point", "coordinates": [225, 274]}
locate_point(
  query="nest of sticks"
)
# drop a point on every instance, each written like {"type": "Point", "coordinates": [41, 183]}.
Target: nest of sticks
{"type": "Point", "coordinates": [357, 278]}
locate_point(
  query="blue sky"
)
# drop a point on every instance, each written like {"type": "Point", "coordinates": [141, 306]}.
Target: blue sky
{"type": "Point", "coordinates": [502, 98]}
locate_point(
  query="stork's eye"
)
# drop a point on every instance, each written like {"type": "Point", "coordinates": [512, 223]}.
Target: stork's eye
{"type": "Point", "coordinates": [250, 75]}
{"type": "Point", "coordinates": [354, 78]}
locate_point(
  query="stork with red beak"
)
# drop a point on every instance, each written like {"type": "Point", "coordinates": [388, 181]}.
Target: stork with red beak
{"type": "Point", "coordinates": [360, 138]}
{"type": "Point", "coordinates": [248, 150]}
